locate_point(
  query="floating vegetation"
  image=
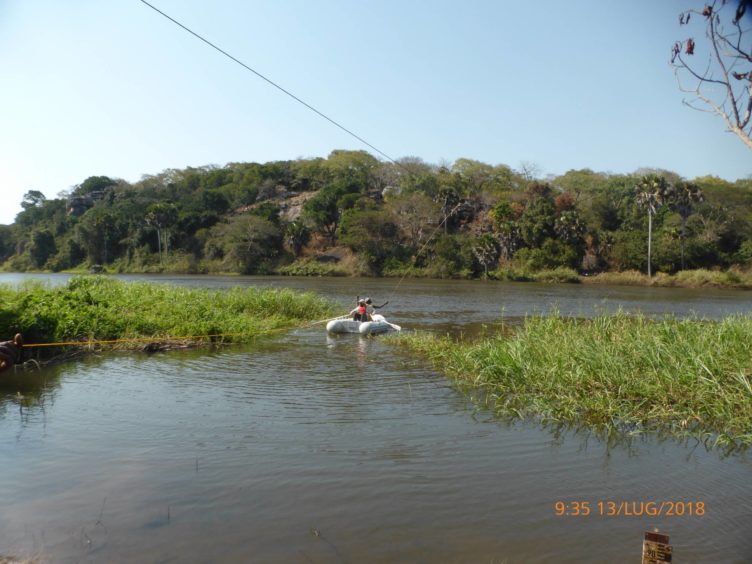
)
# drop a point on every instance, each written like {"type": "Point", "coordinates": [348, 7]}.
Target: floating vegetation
{"type": "Point", "coordinates": [616, 373]}
{"type": "Point", "coordinates": [96, 308]}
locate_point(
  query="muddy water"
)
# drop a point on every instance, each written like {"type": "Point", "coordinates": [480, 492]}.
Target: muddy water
{"type": "Point", "coordinates": [305, 448]}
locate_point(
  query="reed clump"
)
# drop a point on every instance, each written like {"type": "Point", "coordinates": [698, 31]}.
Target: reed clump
{"type": "Point", "coordinates": [309, 267]}
{"type": "Point", "coordinates": [92, 308]}
{"type": "Point", "coordinates": [699, 278]}
{"type": "Point", "coordinates": [615, 373]}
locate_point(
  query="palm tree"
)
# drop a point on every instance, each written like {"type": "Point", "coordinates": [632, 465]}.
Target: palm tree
{"type": "Point", "coordinates": [651, 192]}
{"type": "Point", "coordinates": [682, 200]}
{"type": "Point", "coordinates": [298, 236]}
{"type": "Point", "coordinates": [162, 216]}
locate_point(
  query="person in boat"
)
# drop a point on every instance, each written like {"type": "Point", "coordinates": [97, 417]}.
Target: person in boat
{"type": "Point", "coordinates": [11, 352]}
{"type": "Point", "coordinates": [371, 307]}
{"type": "Point", "coordinates": [361, 313]}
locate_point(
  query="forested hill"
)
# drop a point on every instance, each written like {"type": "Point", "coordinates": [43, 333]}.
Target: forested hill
{"type": "Point", "coordinates": [352, 214]}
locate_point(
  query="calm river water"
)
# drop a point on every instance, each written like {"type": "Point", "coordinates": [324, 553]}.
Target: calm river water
{"type": "Point", "coordinates": [305, 448]}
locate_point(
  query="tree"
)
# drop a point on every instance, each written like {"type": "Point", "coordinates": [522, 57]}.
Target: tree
{"type": "Point", "coordinates": [248, 242]}
{"type": "Point", "coordinates": [298, 236]}
{"type": "Point", "coordinates": [570, 229]}
{"type": "Point", "coordinates": [42, 247]}
{"type": "Point", "coordinates": [504, 223]}
{"type": "Point", "coordinates": [416, 214]}
{"type": "Point", "coordinates": [537, 222]}
{"type": "Point", "coordinates": [486, 250]}
{"type": "Point", "coordinates": [6, 242]}
{"type": "Point", "coordinates": [410, 174]}
{"type": "Point", "coordinates": [449, 200]}
{"type": "Point", "coordinates": [98, 232]}
{"type": "Point", "coordinates": [357, 167]}
{"type": "Point", "coordinates": [529, 171]}
{"type": "Point", "coordinates": [682, 199]}
{"type": "Point", "coordinates": [32, 199]}
{"type": "Point", "coordinates": [722, 82]}
{"type": "Point", "coordinates": [373, 234]}
{"type": "Point", "coordinates": [310, 174]}
{"type": "Point", "coordinates": [650, 193]}
{"type": "Point", "coordinates": [162, 216]}
{"type": "Point", "coordinates": [324, 211]}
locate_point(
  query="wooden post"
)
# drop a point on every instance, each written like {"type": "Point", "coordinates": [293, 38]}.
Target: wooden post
{"type": "Point", "coordinates": [655, 548]}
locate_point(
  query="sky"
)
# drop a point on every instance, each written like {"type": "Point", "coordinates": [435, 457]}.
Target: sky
{"type": "Point", "coordinates": [93, 87]}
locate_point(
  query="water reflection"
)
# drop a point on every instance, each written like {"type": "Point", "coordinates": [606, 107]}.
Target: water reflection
{"type": "Point", "coordinates": [28, 389]}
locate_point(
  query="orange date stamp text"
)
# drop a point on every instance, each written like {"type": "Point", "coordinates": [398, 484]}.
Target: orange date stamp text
{"type": "Point", "coordinates": [624, 508]}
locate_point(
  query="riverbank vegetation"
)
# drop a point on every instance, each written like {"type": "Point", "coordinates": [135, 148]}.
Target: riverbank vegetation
{"type": "Point", "coordinates": [614, 373]}
{"type": "Point", "coordinates": [97, 308]}
{"type": "Point", "coordinates": [350, 214]}
{"type": "Point", "coordinates": [700, 278]}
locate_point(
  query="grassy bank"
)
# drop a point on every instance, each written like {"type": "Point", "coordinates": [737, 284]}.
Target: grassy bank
{"type": "Point", "coordinates": [101, 308]}
{"type": "Point", "coordinates": [507, 274]}
{"type": "Point", "coordinates": [313, 268]}
{"type": "Point", "coordinates": [617, 373]}
{"type": "Point", "coordinates": [700, 278]}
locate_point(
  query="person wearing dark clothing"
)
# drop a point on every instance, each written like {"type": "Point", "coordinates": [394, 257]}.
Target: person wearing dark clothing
{"type": "Point", "coordinates": [10, 352]}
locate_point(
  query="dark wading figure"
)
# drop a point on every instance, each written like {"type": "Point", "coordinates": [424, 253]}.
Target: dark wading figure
{"type": "Point", "coordinates": [11, 352]}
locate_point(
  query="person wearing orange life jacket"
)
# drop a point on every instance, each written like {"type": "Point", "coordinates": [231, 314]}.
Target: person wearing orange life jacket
{"type": "Point", "coordinates": [360, 313]}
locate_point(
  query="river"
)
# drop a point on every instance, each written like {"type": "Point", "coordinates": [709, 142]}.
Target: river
{"type": "Point", "coordinates": [306, 448]}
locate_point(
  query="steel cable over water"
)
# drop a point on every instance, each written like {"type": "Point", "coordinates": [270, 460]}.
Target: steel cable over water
{"type": "Point", "coordinates": [313, 109]}
{"type": "Point", "coordinates": [274, 84]}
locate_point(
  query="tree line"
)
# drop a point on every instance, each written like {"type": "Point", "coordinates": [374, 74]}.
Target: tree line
{"type": "Point", "coordinates": [464, 219]}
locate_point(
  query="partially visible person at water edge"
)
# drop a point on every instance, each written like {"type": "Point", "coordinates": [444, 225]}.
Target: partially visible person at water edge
{"type": "Point", "coordinates": [10, 352]}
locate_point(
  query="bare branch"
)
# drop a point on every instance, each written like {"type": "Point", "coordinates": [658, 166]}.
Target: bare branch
{"type": "Point", "coordinates": [701, 78]}
{"type": "Point", "coordinates": [727, 67]}
{"type": "Point", "coordinates": [705, 110]}
{"type": "Point", "coordinates": [713, 22]}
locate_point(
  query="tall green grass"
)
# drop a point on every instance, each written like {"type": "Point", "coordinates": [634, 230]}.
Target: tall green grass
{"type": "Point", "coordinates": [699, 278]}
{"type": "Point", "coordinates": [307, 267]}
{"type": "Point", "coordinates": [101, 308]}
{"type": "Point", "coordinates": [614, 373]}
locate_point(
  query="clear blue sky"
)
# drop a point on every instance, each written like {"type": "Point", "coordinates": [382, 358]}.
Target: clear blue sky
{"type": "Point", "coordinates": [92, 87]}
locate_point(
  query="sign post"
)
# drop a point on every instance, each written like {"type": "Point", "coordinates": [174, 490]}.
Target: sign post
{"type": "Point", "coordinates": [655, 549]}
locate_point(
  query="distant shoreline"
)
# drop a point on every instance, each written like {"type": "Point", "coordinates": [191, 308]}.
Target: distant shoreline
{"type": "Point", "coordinates": [732, 279]}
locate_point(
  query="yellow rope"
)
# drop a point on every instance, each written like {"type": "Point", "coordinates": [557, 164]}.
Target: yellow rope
{"type": "Point", "coordinates": [135, 339]}
{"type": "Point", "coordinates": [157, 338]}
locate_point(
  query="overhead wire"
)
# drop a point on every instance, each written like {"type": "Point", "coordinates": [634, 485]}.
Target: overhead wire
{"type": "Point", "coordinates": [274, 84]}
{"type": "Point", "coordinates": [297, 99]}
{"type": "Point", "coordinates": [304, 103]}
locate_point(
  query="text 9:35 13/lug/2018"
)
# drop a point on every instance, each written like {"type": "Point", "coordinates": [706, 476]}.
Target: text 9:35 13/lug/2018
{"type": "Point", "coordinates": [624, 508]}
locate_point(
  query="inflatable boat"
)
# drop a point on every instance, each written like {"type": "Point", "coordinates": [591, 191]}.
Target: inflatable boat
{"type": "Point", "coordinates": [376, 326]}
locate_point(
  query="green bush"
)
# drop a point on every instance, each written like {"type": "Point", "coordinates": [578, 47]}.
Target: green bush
{"type": "Point", "coordinates": [552, 254]}
{"type": "Point", "coordinates": [309, 267]}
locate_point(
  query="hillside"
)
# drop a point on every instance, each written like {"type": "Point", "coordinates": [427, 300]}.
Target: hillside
{"type": "Point", "coordinates": [351, 214]}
